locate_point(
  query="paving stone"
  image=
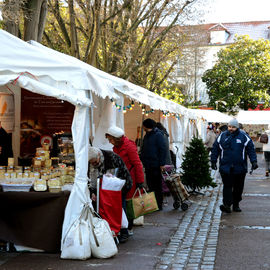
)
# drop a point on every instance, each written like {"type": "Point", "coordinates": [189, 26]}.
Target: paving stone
{"type": "Point", "coordinates": [162, 266]}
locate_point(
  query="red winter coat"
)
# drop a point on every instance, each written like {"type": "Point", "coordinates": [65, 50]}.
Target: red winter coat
{"type": "Point", "coordinates": [128, 152]}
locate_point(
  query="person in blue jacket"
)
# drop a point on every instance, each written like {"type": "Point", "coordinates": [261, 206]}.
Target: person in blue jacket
{"type": "Point", "coordinates": [232, 147]}
{"type": "Point", "coordinates": [153, 157]}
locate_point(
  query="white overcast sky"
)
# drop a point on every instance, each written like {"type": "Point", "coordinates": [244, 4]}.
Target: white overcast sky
{"type": "Point", "coordinates": [234, 10]}
{"type": "Point", "coordinates": [237, 11]}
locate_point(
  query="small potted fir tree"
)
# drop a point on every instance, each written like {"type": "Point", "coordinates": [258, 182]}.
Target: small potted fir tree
{"type": "Point", "coordinates": [195, 167]}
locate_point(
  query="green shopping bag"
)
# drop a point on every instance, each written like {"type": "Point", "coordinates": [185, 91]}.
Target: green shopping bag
{"type": "Point", "coordinates": [141, 205]}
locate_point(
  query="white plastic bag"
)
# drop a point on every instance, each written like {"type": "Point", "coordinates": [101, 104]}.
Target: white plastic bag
{"type": "Point", "coordinates": [124, 224]}
{"type": "Point", "coordinates": [76, 243]}
{"type": "Point", "coordinates": [138, 221]}
{"type": "Point", "coordinates": [111, 182]}
{"type": "Point", "coordinates": [101, 238]}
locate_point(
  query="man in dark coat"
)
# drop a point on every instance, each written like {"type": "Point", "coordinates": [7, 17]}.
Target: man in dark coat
{"type": "Point", "coordinates": [5, 147]}
{"type": "Point", "coordinates": [153, 156]}
{"type": "Point", "coordinates": [232, 148]}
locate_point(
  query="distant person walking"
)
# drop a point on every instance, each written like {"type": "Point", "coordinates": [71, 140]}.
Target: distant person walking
{"type": "Point", "coordinates": [266, 152]}
{"type": "Point", "coordinates": [210, 138]}
{"type": "Point", "coordinates": [232, 148]}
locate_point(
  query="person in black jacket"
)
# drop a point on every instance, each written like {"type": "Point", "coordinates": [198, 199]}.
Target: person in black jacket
{"type": "Point", "coordinates": [232, 147]}
{"type": "Point", "coordinates": [153, 156]}
{"type": "Point", "coordinates": [5, 147]}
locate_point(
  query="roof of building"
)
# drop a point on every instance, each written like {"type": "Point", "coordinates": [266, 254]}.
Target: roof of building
{"type": "Point", "coordinates": [255, 30]}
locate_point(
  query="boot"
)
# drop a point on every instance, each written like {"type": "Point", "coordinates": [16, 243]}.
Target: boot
{"type": "Point", "coordinates": [123, 237]}
{"type": "Point", "coordinates": [267, 173]}
{"type": "Point", "coordinates": [236, 208]}
{"type": "Point", "coordinates": [225, 208]}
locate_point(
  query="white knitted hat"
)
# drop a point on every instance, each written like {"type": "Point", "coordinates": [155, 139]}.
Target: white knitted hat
{"type": "Point", "coordinates": [115, 132]}
{"type": "Point", "coordinates": [234, 123]}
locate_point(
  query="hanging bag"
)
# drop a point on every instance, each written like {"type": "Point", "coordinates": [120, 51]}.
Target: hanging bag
{"type": "Point", "coordinates": [76, 243]}
{"type": "Point", "coordinates": [143, 204]}
{"type": "Point", "coordinates": [101, 237]}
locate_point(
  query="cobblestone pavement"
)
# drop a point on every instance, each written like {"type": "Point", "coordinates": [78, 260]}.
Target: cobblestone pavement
{"type": "Point", "coordinates": [193, 246]}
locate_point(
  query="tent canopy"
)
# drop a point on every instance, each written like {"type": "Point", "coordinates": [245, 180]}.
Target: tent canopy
{"type": "Point", "coordinates": [254, 117]}
{"type": "Point", "coordinates": [32, 68]}
{"type": "Point", "coordinates": [212, 115]}
{"type": "Point", "coordinates": [127, 88]}
{"type": "Point", "coordinates": [36, 67]}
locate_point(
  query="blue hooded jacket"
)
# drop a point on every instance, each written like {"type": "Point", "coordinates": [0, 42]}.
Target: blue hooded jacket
{"type": "Point", "coordinates": [232, 149]}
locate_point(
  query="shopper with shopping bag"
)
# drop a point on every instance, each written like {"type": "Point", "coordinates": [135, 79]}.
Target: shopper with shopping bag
{"type": "Point", "coordinates": [102, 162]}
{"type": "Point", "coordinates": [153, 156]}
{"type": "Point", "coordinates": [127, 150]}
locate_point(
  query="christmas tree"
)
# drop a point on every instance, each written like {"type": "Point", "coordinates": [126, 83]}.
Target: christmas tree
{"type": "Point", "coordinates": [195, 166]}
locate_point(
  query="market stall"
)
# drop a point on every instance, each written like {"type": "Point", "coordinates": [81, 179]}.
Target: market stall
{"type": "Point", "coordinates": [95, 95]}
{"type": "Point", "coordinates": [33, 219]}
{"type": "Point", "coordinates": [23, 66]}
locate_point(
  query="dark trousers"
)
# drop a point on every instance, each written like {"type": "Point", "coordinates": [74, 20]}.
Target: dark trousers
{"type": "Point", "coordinates": [233, 186]}
{"type": "Point", "coordinates": [153, 180]}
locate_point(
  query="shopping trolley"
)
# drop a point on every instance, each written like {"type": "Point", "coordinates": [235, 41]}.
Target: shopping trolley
{"type": "Point", "coordinates": [176, 188]}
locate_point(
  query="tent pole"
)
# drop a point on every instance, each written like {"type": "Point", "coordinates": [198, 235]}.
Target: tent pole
{"type": "Point", "coordinates": [91, 135]}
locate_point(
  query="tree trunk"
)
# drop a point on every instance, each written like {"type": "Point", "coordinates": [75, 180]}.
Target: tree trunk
{"type": "Point", "coordinates": [11, 13]}
{"type": "Point", "coordinates": [34, 21]}
{"type": "Point", "coordinates": [96, 35]}
{"type": "Point", "coordinates": [73, 32]}
{"type": "Point", "coordinates": [42, 20]}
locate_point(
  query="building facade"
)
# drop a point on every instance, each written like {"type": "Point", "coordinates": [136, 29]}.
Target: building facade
{"type": "Point", "coordinates": [200, 52]}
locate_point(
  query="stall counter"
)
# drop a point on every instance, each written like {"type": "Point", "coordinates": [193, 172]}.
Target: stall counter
{"type": "Point", "coordinates": [33, 219]}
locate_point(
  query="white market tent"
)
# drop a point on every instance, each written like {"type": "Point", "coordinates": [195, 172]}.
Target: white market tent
{"type": "Point", "coordinates": [181, 130]}
{"type": "Point", "coordinates": [213, 115]}
{"type": "Point", "coordinates": [46, 72]}
{"type": "Point", "coordinates": [254, 117]}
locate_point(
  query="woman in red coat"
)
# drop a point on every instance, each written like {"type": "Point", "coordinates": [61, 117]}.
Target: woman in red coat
{"type": "Point", "coordinates": [127, 150]}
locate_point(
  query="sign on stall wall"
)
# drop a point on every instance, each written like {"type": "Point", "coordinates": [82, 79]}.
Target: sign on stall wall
{"type": "Point", "coordinates": [7, 111]}
{"type": "Point", "coordinates": [41, 117]}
